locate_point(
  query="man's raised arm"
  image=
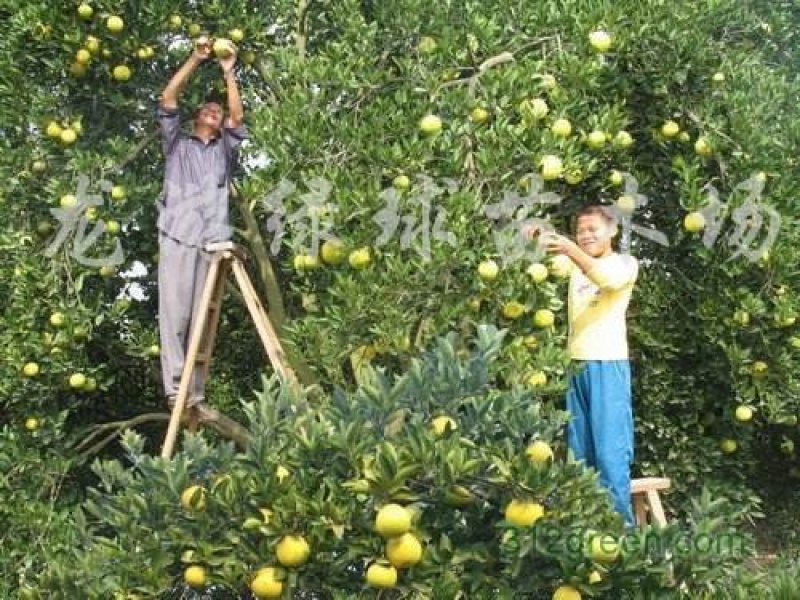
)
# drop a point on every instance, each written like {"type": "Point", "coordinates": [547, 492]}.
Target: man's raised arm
{"type": "Point", "coordinates": [202, 50]}
{"type": "Point", "coordinates": [235, 108]}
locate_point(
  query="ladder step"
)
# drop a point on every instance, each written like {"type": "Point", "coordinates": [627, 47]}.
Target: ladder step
{"type": "Point", "coordinates": [219, 246]}
{"type": "Point", "coordinates": [202, 358]}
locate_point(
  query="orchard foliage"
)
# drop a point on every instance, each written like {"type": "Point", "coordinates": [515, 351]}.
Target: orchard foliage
{"type": "Point", "coordinates": [324, 473]}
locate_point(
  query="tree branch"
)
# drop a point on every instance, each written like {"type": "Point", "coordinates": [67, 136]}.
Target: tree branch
{"type": "Point", "coordinates": [302, 33]}
{"type": "Point", "coordinates": [704, 125]}
{"type": "Point", "coordinates": [136, 151]}
{"type": "Point", "coordinates": [266, 273]}
{"type": "Point", "coordinates": [472, 80]}
{"type": "Point", "coordinates": [205, 415]}
{"type": "Point", "coordinates": [116, 428]}
{"type": "Point", "coordinates": [273, 87]}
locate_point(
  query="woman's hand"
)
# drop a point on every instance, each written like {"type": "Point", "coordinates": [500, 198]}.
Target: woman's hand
{"type": "Point", "coordinates": [530, 231]}
{"type": "Point", "coordinates": [555, 243]}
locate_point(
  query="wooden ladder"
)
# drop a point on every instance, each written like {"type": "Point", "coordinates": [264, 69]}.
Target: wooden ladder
{"type": "Point", "coordinates": [225, 256]}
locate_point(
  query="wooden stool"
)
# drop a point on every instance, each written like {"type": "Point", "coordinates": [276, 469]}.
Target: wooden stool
{"type": "Point", "coordinates": [646, 499]}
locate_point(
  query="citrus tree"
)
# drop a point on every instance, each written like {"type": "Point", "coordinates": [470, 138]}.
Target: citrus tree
{"type": "Point", "coordinates": [433, 484]}
{"type": "Point", "coordinates": [410, 141]}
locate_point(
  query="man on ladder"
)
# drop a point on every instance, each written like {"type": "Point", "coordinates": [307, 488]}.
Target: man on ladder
{"type": "Point", "coordinates": [193, 210]}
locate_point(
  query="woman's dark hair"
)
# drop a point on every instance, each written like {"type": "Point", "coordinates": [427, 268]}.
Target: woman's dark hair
{"type": "Point", "coordinates": [598, 209]}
